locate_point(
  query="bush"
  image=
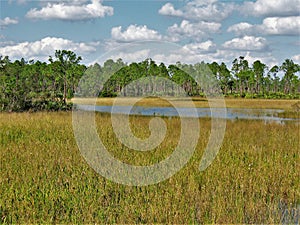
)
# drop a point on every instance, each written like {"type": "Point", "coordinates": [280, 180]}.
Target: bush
{"type": "Point", "coordinates": [248, 95]}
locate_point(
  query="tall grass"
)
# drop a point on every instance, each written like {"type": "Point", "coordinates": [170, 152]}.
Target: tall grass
{"type": "Point", "coordinates": [286, 104]}
{"type": "Point", "coordinates": [44, 179]}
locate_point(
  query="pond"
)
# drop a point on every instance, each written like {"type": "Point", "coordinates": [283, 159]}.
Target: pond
{"type": "Point", "coordinates": [267, 115]}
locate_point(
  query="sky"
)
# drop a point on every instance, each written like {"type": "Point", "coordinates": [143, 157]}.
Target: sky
{"type": "Point", "coordinates": [164, 30]}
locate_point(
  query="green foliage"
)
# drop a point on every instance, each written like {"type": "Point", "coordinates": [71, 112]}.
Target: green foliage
{"type": "Point", "coordinates": [47, 86]}
{"type": "Point", "coordinates": [37, 86]}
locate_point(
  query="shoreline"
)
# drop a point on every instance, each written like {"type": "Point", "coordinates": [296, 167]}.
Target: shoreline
{"type": "Point", "coordinates": [199, 102]}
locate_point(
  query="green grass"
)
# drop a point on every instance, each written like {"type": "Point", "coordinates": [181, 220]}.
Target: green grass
{"type": "Point", "coordinates": [44, 179]}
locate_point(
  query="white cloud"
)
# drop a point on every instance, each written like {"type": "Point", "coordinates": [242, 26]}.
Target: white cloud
{"type": "Point", "coordinates": [296, 59]}
{"type": "Point", "coordinates": [271, 8]}
{"type": "Point", "coordinates": [282, 26]}
{"type": "Point", "coordinates": [8, 21]}
{"type": "Point", "coordinates": [4, 42]}
{"type": "Point", "coordinates": [129, 57]}
{"type": "Point", "coordinates": [168, 10]}
{"type": "Point", "coordinates": [247, 43]}
{"type": "Point", "coordinates": [266, 58]}
{"type": "Point", "coordinates": [185, 54]}
{"type": "Point", "coordinates": [172, 58]}
{"type": "Point", "coordinates": [270, 26]}
{"type": "Point", "coordinates": [196, 31]}
{"type": "Point", "coordinates": [134, 33]}
{"type": "Point", "coordinates": [72, 12]}
{"type": "Point", "coordinates": [191, 53]}
{"type": "Point", "coordinates": [199, 10]}
{"type": "Point", "coordinates": [241, 28]}
{"type": "Point", "coordinates": [203, 47]}
{"type": "Point", "coordinates": [43, 48]}
{"type": "Point", "coordinates": [226, 56]}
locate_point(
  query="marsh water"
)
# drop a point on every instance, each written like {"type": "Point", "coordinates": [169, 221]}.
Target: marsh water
{"type": "Point", "coordinates": [267, 115]}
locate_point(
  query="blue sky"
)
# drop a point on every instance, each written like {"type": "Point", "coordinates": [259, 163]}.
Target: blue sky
{"type": "Point", "coordinates": [208, 30]}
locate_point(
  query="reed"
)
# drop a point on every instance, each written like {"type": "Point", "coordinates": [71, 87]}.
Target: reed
{"type": "Point", "coordinates": [198, 101]}
{"type": "Point", "coordinates": [44, 178]}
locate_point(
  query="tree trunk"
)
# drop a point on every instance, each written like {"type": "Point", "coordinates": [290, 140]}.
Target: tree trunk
{"type": "Point", "coordinates": [65, 90]}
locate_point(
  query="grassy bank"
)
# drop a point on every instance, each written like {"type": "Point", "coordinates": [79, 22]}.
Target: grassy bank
{"type": "Point", "coordinates": [44, 179]}
{"type": "Point", "coordinates": [198, 101]}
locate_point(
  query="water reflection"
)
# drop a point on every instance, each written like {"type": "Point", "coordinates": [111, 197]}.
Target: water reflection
{"type": "Point", "coordinates": [267, 115]}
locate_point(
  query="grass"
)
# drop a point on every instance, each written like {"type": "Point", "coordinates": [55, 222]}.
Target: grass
{"type": "Point", "coordinates": [44, 178]}
{"type": "Point", "coordinates": [292, 113]}
{"type": "Point", "coordinates": [198, 101]}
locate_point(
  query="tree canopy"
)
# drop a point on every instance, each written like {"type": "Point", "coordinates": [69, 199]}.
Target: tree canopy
{"type": "Point", "coordinates": [37, 85]}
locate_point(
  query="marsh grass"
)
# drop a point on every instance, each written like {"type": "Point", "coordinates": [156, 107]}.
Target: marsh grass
{"type": "Point", "coordinates": [294, 112]}
{"type": "Point", "coordinates": [198, 101]}
{"type": "Point", "coordinates": [44, 178]}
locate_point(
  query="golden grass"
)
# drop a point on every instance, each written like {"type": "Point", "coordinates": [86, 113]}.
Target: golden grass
{"type": "Point", "coordinates": [44, 179]}
{"type": "Point", "coordinates": [198, 101]}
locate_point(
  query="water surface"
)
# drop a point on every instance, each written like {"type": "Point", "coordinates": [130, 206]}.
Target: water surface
{"type": "Point", "coordinates": [268, 115]}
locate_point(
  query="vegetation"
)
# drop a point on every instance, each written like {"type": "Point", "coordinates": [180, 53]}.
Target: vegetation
{"type": "Point", "coordinates": [37, 85]}
{"type": "Point", "coordinates": [199, 102]}
{"type": "Point", "coordinates": [242, 81]}
{"type": "Point", "coordinates": [44, 179]}
{"type": "Point", "coordinates": [47, 86]}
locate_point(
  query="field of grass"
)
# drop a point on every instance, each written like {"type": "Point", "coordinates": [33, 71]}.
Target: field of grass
{"type": "Point", "coordinates": [198, 101]}
{"type": "Point", "coordinates": [44, 178]}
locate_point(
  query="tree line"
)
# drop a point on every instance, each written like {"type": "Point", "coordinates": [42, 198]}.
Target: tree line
{"type": "Point", "coordinates": [36, 85]}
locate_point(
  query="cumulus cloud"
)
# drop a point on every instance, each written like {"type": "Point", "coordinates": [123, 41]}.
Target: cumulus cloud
{"type": "Point", "coordinates": [167, 57]}
{"type": "Point", "coordinates": [247, 43]}
{"type": "Point", "coordinates": [271, 26]}
{"type": "Point", "coordinates": [203, 47]}
{"type": "Point", "coordinates": [8, 21]}
{"type": "Point", "coordinates": [191, 53]}
{"type": "Point", "coordinates": [43, 48]}
{"type": "Point", "coordinates": [241, 28]}
{"type": "Point", "coordinates": [208, 10]}
{"type": "Point", "coordinates": [196, 31]}
{"type": "Point", "coordinates": [195, 52]}
{"type": "Point", "coordinates": [282, 26]}
{"type": "Point", "coordinates": [218, 56]}
{"type": "Point", "coordinates": [134, 33]}
{"type": "Point", "coordinates": [266, 58]}
{"type": "Point", "coordinates": [271, 8]}
{"type": "Point", "coordinates": [168, 10]}
{"type": "Point", "coordinates": [71, 12]}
